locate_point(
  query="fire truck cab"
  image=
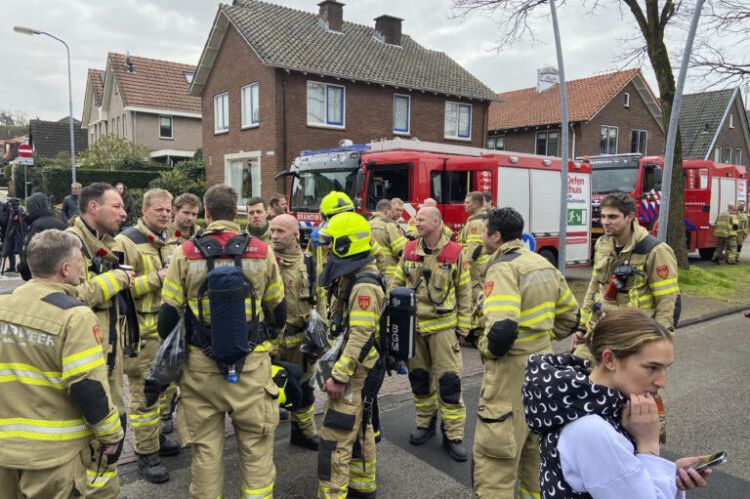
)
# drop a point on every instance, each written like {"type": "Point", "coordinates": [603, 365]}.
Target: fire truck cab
{"type": "Point", "coordinates": [709, 188]}
{"type": "Point", "coordinates": [413, 171]}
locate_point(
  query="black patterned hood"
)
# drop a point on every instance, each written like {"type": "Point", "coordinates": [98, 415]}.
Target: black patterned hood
{"type": "Point", "coordinates": [557, 391]}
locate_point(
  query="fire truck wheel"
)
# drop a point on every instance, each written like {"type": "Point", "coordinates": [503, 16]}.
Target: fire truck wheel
{"type": "Point", "coordinates": [706, 253]}
{"type": "Point", "coordinates": [550, 256]}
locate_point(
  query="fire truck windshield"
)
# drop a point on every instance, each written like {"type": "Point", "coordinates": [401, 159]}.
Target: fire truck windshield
{"type": "Point", "coordinates": [607, 180]}
{"type": "Point", "coordinates": [312, 185]}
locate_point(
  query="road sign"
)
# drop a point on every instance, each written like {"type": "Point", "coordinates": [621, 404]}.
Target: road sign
{"type": "Point", "coordinates": [24, 161]}
{"type": "Point", "coordinates": [25, 151]}
{"type": "Point", "coordinates": [529, 240]}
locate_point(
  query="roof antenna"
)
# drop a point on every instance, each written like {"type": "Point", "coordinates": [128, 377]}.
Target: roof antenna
{"type": "Point", "coordinates": [128, 63]}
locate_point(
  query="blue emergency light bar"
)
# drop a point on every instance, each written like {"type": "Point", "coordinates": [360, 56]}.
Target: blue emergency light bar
{"type": "Point", "coordinates": [353, 147]}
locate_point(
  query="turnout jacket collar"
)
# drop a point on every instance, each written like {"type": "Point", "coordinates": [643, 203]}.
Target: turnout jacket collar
{"type": "Point", "coordinates": [95, 244]}
{"type": "Point", "coordinates": [380, 216]}
{"type": "Point", "coordinates": [507, 247]}
{"type": "Point", "coordinates": [289, 256]}
{"type": "Point", "coordinates": [156, 239]}
{"type": "Point", "coordinates": [479, 214]}
{"type": "Point", "coordinates": [444, 239]}
{"type": "Point", "coordinates": [558, 391]}
{"type": "Point", "coordinates": [219, 226]}
{"type": "Point", "coordinates": [54, 287]}
{"type": "Point", "coordinates": [608, 242]}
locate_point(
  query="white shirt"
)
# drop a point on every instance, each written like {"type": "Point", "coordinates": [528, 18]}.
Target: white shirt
{"type": "Point", "coordinates": [595, 458]}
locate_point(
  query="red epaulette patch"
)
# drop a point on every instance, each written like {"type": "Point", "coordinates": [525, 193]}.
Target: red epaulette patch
{"type": "Point", "coordinates": [450, 253]}
{"type": "Point", "coordinates": [410, 252]}
{"type": "Point", "coordinates": [256, 249]}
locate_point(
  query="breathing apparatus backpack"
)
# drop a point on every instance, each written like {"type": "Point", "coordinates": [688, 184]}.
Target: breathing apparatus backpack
{"type": "Point", "coordinates": [230, 338]}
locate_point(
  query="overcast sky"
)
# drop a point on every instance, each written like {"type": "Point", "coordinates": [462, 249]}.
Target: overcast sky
{"type": "Point", "coordinates": [34, 78]}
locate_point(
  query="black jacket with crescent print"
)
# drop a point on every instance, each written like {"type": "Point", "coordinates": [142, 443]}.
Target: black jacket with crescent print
{"type": "Point", "coordinates": [557, 391]}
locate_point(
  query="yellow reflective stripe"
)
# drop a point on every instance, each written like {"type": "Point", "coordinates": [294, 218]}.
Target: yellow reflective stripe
{"type": "Point", "coordinates": [30, 375]}
{"type": "Point", "coordinates": [585, 316]}
{"type": "Point", "coordinates": [437, 324]}
{"type": "Point", "coordinates": [529, 494]}
{"type": "Point", "coordinates": [273, 291]}
{"type": "Point", "coordinates": [100, 479]}
{"type": "Point", "coordinates": [674, 288]}
{"type": "Point", "coordinates": [483, 258]}
{"type": "Point", "coordinates": [375, 247]}
{"type": "Point", "coordinates": [107, 283]}
{"type": "Point", "coordinates": [502, 299]}
{"type": "Point", "coordinates": [464, 278]}
{"type": "Point", "coordinates": [173, 291]}
{"type": "Point", "coordinates": [147, 323]}
{"type": "Point", "coordinates": [144, 419]}
{"type": "Point", "coordinates": [531, 336]}
{"type": "Point", "coordinates": [346, 365]}
{"type": "Point", "coordinates": [262, 493]}
{"type": "Point", "coordinates": [43, 429]}
{"type": "Point", "coordinates": [565, 298]}
{"type": "Point", "coordinates": [107, 426]}
{"type": "Point", "coordinates": [390, 269]}
{"type": "Point", "coordinates": [82, 361]}
{"type": "Point", "coordinates": [266, 346]}
{"type": "Point", "coordinates": [303, 416]}
{"type": "Point", "coordinates": [464, 321]}
{"type": "Point", "coordinates": [329, 492]}
{"type": "Point", "coordinates": [398, 244]}
{"type": "Point", "coordinates": [140, 284]}
{"type": "Point", "coordinates": [425, 401]}
{"type": "Point", "coordinates": [533, 315]}
{"type": "Point", "coordinates": [448, 414]}
{"type": "Point", "coordinates": [362, 318]}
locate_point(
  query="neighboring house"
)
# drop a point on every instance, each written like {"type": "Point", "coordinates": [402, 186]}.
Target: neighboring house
{"type": "Point", "coordinates": [144, 101]}
{"type": "Point", "coordinates": [50, 138]}
{"type": "Point", "coordinates": [714, 125]}
{"type": "Point", "coordinates": [275, 81]}
{"type": "Point", "coordinates": [609, 114]}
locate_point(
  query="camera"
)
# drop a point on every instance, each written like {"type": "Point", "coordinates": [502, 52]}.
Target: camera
{"type": "Point", "coordinates": [622, 273]}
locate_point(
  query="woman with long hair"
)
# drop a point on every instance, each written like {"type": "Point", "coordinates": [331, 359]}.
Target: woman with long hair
{"type": "Point", "coordinates": [599, 423]}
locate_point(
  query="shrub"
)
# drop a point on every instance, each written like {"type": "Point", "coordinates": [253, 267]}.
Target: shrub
{"type": "Point", "coordinates": [113, 153]}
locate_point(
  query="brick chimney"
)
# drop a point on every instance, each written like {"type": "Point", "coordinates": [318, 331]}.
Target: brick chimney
{"type": "Point", "coordinates": [389, 28]}
{"type": "Point", "coordinates": [332, 12]}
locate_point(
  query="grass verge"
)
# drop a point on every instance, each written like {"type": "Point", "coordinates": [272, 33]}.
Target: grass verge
{"type": "Point", "coordinates": [728, 283]}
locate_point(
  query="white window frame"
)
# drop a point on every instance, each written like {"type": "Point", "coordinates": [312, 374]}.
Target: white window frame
{"type": "Point", "coordinates": [737, 156]}
{"type": "Point", "coordinates": [222, 100]}
{"type": "Point", "coordinates": [731, 120]}
{"type": "Point", "coordinates": [171, 127]}
{"type": "Point", "coordinates": [458, 135]}
{"type": "Point", "coordinates": [724, 155]}
{"type": "Point", "coordinates": [255, 173]}
{"type": "Point", "coordinates": [546, 142]}
{"type": "Point", "coordinates": [247, 118]}
{"type": "Point", "coordinates": [717, 154]}
{"type": "Point", "coordinates": [327, 123]}
{"type": "Point", "coordinates": [407, 131]}
{"type": "Point", "coordinates": [645, 146]}
{"type": "Point", "coordinates": [124, 127]}
{"type": "Point", "coordinates": [626, 104]}
{"type": "Point", "coordinates": [617, 139]}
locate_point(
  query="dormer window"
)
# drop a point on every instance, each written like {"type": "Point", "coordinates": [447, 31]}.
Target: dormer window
{"type": "Point", "coordinates": [626, 103]}
{"type": "Point", "coordinates": [188, 77]}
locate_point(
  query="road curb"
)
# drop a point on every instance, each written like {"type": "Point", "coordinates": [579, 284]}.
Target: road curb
{"type": "Point", "coordinates": [712, 315]}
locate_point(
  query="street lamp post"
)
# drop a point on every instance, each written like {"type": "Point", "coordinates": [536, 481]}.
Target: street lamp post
{"type": "Point", "coordinates": [30, 31]}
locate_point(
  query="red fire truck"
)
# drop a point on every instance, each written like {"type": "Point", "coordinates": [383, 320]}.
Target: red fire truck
{"type": "Point", "coordinates": [414, 170]}
{"type": "Point", "coordinates": [709, 188]}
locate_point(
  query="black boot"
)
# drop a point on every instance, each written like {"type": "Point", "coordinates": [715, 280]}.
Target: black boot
{"type": "Point", "coordinates": [356, 494]}
{"type": "Point", "coordinates": [422, 435]}
{"type": "Point", "coordinates": [298, 438]}
{"type": "Point", "coordinates": [151, 469]}
{"type": "Point", "coordinates": [167, 425]}
{"type": "Point", "coordinates": [168, 447]}
{"type": "Point", "coordinates": [456, 449]}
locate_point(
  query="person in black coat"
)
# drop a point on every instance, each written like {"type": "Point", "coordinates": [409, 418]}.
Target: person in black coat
{"type": "Point", "coordinates": [13, 225]}
{"type": "Point", "coordinates": [39, 217]}
{"type": "Point", "coordinates": [70, 203]}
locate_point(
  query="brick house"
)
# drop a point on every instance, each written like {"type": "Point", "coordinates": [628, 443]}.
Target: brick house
{"type": "Point", "coordinates": [145, 101]}
{"type": "Point", "coordinates": [714, 125]}
{"type": "Point", "coordinates": [608, 114]}
{"type": "Point", "coordinates": [275, 81]}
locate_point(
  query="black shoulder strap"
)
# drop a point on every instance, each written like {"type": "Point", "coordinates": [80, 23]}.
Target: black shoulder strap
{"type": "Point", "coordinates": [84, 250]}
{"type": "Point", "coordinates": [367, 278]}
{"type": "Point", "coordinates": [505, 257]}
{"type": "Point", "coordinates": [236, 247]}
{"type": "Point", "coordinates": [311, 278]}
{"type": "Point", "coordinates": [645, 245]}
{"type": "Point", "coordinates": [134, 235]}
{"type": "Point", "coordinates": [63, 301]}
{"type": "Point", "coordinates": [209, 248]}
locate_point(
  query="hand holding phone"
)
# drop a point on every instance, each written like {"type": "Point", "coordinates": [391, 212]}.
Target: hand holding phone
{"type": "Point", "coordinates": [710, 461]}
{"type": "Point", "coordinates": [692, 472]}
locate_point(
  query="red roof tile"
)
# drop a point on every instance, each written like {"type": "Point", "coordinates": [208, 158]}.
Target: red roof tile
{"type": "Point", "coordinates": [97, 84]}
{"type": "Point", "coordinates": [527, 107]}
{"type": "Point", "coordinates": [154, 84]}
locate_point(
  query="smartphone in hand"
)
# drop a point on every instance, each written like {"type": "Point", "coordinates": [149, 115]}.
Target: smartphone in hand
{"type": "Point", "coordinates": [710, 461]}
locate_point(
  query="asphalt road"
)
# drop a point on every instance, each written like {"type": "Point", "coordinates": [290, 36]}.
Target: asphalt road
{"type": "Point", "coordinates": [707, 400]}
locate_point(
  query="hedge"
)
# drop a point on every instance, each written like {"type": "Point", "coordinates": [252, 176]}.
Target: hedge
{"type": "Point", "coordinates": [56, 181]}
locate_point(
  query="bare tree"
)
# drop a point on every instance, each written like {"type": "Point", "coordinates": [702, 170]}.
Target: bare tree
{"type": "Point", "coordinates": [725, 63]}
{"type": "Point", "coordinates": [651, 22]}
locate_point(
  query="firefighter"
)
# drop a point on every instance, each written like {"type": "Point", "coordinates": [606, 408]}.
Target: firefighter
{"type": "Point", "coordinates": [209, 390]}
{"type": "Point", "coordinates": [186, 207]}
{"type": "Point", "coordinates": [725, 230]}
{"type": "Point", "coordinates": [470, 237]}
{"type": "Point", "coordinates": [744, 226]}
{"type": "Point", "coordinates": [411, 226]}
{"type": "Point", "coordinates": [55, 394]}
{"type": "Point", "coordinates": [346, 459]}
{"type": "Point", "coordinates": [101, 214]}
{"type": "Point", "coordinates": [387, 234]}
{"type": "Point", "coordinates": [257, 216]}
{"type": "Point", "coordinates": [526, 303]}
{"type": "Point", "coordinates": [631, 269]}
{"type": "Point", "coordinates": [299, 288]}
{"type": "Point", "coordinates": [434, 267]}
{"type": "Point", "coordinates": [145, 248]}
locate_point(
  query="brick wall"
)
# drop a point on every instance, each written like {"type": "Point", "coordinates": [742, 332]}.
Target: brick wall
{"type": "Point", "coordinates": [283, 100]}
{"type": "Point", "coordinates": [587, 135]}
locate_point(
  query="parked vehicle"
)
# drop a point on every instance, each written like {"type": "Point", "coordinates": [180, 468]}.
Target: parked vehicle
{"type": "Point", "coordinates": [709, 188]}
{"type": "Point", "coordinates": [414, 170]}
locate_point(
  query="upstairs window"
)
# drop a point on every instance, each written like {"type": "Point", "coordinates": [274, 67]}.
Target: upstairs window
{"type": "Point", "coordinates": [325, 104]}
{"type": "Point", "coordinates": [608, 140]}
{"type": "Point", "coordinates": [401, 114]}
{"type": "Point", "coordinates": [626, 102]}
{"type": "Point", "coordinates": [638, 139]}
{"type": "Point", "coordinates": [457, 121]}
{"type": "Point", "coordinates": [221, 113]}
{"type": "Point", "coordinates": [250, 105]}
{"type": "Point", "coordinates": [165, 127]}
{"type": "Point", "coordinates": [496, 143]}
